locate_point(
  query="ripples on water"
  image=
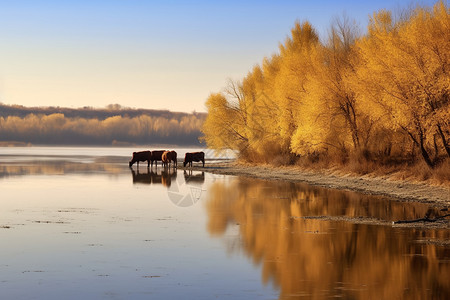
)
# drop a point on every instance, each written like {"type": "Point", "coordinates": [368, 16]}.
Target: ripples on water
{"type": "Point", "coordinates": [78, 223]}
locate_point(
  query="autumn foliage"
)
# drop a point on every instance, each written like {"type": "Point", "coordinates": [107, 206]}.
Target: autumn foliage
{"type": "Point", "coordinates": [381, 96]}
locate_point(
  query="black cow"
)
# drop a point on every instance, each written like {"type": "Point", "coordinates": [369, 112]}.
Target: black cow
{"type": "Point", "coordinates": [140, 156]}
{"type": "Point", "coordinates": [157, 155]}
{"type": "Point", "coordinates": [194, 156]}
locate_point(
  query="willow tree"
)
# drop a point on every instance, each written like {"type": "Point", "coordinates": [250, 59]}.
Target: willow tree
{"type": "Point", "coordinates": [292, 77]}
{"type": "Point", "coordinates": [224, 126]}
{"type": "Point", "coordinates": [260, 122]}
{"type": "Point", "coordinates": [329, 114]}
{"type": "Point", "coordinates": [404, 76]}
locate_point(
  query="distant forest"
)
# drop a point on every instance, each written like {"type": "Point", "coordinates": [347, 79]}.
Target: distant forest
{"type": "Point", "coordinates": [113, 125]}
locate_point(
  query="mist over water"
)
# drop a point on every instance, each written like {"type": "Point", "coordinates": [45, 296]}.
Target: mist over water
{"type": "Point", "coordinates": [78, 223]}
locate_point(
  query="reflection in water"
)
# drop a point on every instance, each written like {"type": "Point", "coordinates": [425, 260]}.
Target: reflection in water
{"type": "Point", "coordinates": [61, 167]}
{"type": "Point", "coordinates": [163, 177]}
{"type": "Point", "coordinates": [195, 178]}
{"type": "Point", "coordinates": [189, 192]}
{"type": "Point", "coordinates": [314, 259]}
{"type": "Point", "coordinates": [182, 194]}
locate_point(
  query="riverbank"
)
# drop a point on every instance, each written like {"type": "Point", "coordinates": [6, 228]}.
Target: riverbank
{"type": "Point", "coordinates": [437, 196]}
{"type": "Point", "coordinates": [403, 190]}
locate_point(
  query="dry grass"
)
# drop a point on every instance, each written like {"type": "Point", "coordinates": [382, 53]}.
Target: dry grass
{"type": "Point", "coordinates": [361, 165]}
{"type": "Point", "coordinates": [405, 168]}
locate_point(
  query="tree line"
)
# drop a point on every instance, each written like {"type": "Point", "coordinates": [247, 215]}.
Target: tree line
{"type": "Point", "coordinates": [111, 126]}
{"type": "Point", "coordinates": [382, 95]}
{"type": "Point", "coordinates": [89, 112]}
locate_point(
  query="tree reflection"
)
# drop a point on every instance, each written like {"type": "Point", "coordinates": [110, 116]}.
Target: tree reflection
{"type": "Point", "coordinates": [317, 259]}
{"type": "Point", "coordinates": [57, 167]}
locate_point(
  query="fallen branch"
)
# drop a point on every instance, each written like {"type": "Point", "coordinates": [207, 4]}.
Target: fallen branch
{"type": "Point", "coordinates": [424, 219]}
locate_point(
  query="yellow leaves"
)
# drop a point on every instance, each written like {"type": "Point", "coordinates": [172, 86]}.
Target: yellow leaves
{"type": "Point", "coordinates": [380, 23]}
{"type": "Point", "coordinates": [405, 73]}
{"type": "Point", "coordinates": [223, 128]}
{"type": "Point", "coordinates": [349, 91]}
{"type": "Point", "coordinates": [303, 36]}
{"type": "Point", "coordinates": [292, 76]}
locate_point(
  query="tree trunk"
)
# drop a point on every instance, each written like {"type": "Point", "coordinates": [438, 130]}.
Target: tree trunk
{"type": "Point", "coordinates": [426, 156]}
{"type": "Point", "coordinates": [421, 145]}
{"type": "Point", "coordinates": [424, 152]}
{"type": "Point", "coordinates": [444, 140]}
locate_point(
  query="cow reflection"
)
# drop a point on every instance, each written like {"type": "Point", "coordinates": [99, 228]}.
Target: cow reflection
{"type": "Point", "coordinates": [163, 177]}
{"type": "Point", "coordinates": [195, 178]}
{"type": "Point", "coordinates": [138, 177]}
{"type": "Point", "coordinates": [167, 176]}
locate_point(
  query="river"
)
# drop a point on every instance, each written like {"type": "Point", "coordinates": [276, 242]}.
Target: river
{"type": "Point", "coordinates": [77, 223]}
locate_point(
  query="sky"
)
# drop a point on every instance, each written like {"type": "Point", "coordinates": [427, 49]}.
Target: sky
{"type": "Point", "coordinates": [148, 54]}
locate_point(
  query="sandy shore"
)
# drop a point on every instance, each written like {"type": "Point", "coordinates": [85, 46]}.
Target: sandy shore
{"type": "Point", "coordinates": [439, 196]}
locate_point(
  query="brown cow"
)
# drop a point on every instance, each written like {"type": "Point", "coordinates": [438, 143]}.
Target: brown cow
{"type": "Point", "coordinates": [156, 155]}
{"type": "Point", "coordinates": [140, 156]}
{"type": "Point", "coordinates": [169, 156]}
{"type": "Point", "coordinates": [165, 159]}
{"type": "Point", "coordinates": [194, 156]}
{"type": "Point", "coordinates": [174, 158]}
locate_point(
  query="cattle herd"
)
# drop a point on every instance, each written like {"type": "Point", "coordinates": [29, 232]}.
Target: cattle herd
{"type": "Point", "coordinates": [166, 158]}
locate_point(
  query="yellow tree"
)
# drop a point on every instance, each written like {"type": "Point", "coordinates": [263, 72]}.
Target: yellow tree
{"type": "Point", "coordinates": [242, 117]}
{"type": "Point", "coordinates": [432, 48]}
{"type": "Point", "coordinates": [264, 134]}
{"type": "Point", "coordinates": [404, 75]}
{"type": "Point", "coordinates": [223, 127]}
{"type": "Point", "coordinates": [291, 78]}
{"type": "Point", "coordinates": [329, 115]}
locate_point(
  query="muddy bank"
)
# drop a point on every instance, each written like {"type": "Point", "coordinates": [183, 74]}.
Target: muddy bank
{"type": "Point", "coordinates": [438, 196]}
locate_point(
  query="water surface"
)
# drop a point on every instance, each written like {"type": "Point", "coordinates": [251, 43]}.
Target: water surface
{"type": "Point", "coordinates": [79, 224]}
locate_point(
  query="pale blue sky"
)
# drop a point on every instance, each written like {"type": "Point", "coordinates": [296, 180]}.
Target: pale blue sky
{"type": "Point", "coordinates": [147, 54]}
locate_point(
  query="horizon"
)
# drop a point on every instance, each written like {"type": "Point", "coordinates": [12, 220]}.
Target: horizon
{"type": "Point", "coordinates": [111, 107]}
{"type": "Point", "coordinates": [148, 55]}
